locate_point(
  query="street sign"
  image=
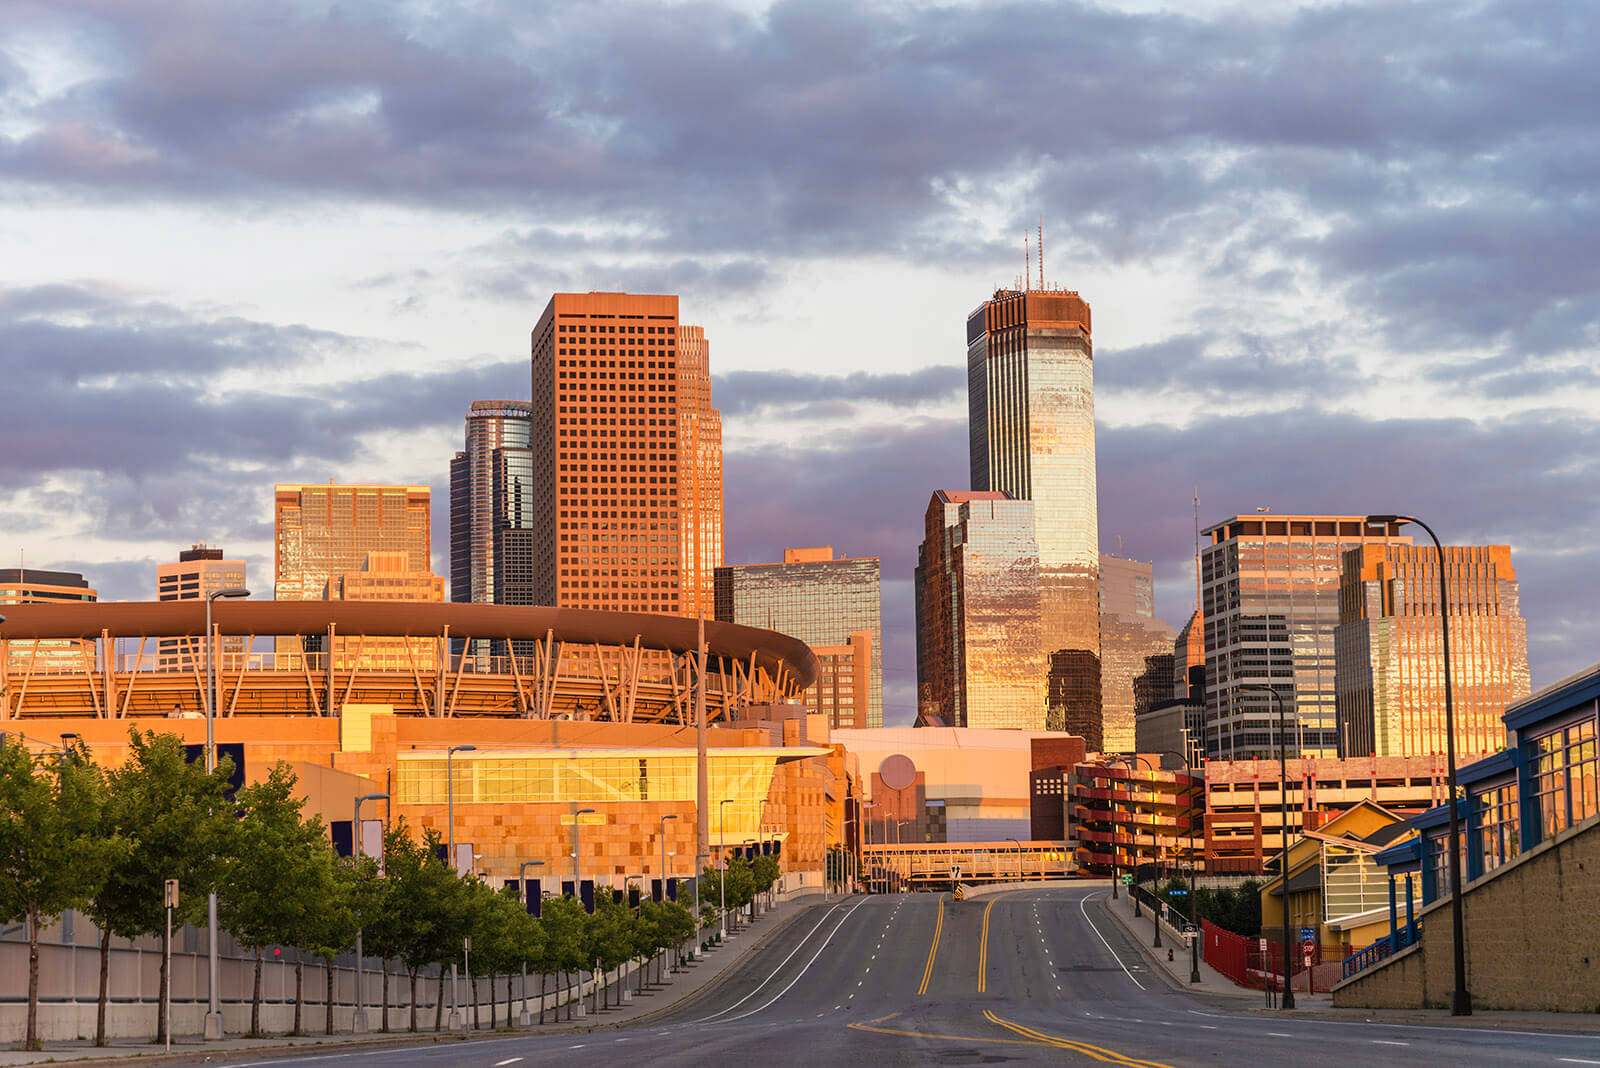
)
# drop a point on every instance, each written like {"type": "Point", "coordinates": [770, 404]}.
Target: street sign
{"type": "Point", "coordinates": [1263, 946]}
{"type": "Point", "coordinates": [1307, 934]}
{"type": "Point", "coordinates": [1127, 880]}
{"type": "Point", "coordinates": [1308, 947]}
{"type": "Point", "coordinates": [171, 898]}
{"type": "Point", "coordinates": [1178, 892]}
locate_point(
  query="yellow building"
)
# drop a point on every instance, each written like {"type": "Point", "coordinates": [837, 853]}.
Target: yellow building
{"type": "Point", "coordinates": [1335, 888]}
{"type": "Point", "coordinates": [386, 576]}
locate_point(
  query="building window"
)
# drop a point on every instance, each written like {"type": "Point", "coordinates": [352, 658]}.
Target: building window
{"type": "Point", "coordinates": [1499, 826]}
{"type": "Point", "coordinates": [1565, 768]}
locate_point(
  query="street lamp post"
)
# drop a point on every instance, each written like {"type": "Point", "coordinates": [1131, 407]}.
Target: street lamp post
{"type": "Point", "coordinates": [722, 881]}
{"type": "Point", "coordinates": [213, 1022]}
{"type": "Point", "coordinates": [525, 1018]}
{"type": "Point", "coordinates": [1283, 865]}
{"type": "Point", "coordinates": [1460, 998]}
{"type": "Point", "coordinates": [1194, 927]}
{"type": "Point", "coordinates": [664, 819]}
{"type": "Point", "coordinates": [450, 830]}
{"type": "Point", "coordinates": [1018, 844]}
{"type": "Point", "coordinates": [358, 1022]}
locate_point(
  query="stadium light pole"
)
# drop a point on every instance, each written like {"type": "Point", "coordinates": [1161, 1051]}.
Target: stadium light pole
{"type": "Point", "coordinates": [450, 830]}
{"type": "Point", "coordinates": [213, 1022]}
{"type": "Point", "coordinates": [358, 1022]}
{"type": "Point", "coordinates": [1460, 998]}
{"type": "Point", "coordinates": [1283, 866]}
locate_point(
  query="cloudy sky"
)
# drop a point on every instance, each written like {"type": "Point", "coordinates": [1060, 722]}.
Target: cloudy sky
{"type": "Point", "coordinates": [1341, 258]}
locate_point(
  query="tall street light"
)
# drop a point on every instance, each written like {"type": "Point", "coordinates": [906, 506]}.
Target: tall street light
{"type": "Point", "coordinates": [1018, 844]}
{"type": "Point", "coordinates": [664, 819]}
{"type": "Point", "coordinates": [358, 1022]}
{"type": "Point", "coordinates": [1283, 866]}
{"type": "Point", "coordinates": [577, 882]}
{"type": "Point", "coordinates": [525, 1018]}
{"type": "Point", "coordinates": [722, 851]}
{"type": "Point", "coordinates": [213, 1025]}
{"type": "Point", "coordinates": [1460, 999]}
{"type": "Point", "coordinates": [450, 830]}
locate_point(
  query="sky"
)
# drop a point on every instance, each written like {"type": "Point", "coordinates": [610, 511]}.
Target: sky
{"type": "Point", "coordinates": [1341, 259]}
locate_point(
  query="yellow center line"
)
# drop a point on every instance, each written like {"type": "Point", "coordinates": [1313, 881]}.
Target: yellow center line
{"type": "Point", "coordinates": [949, 1038]}
{"type": "Point", "coordinates": [983, 947]}
{"type": "Point", "coordinates": [933, 950]}
{"type": "Point", "coordinates": [1099, 1053]}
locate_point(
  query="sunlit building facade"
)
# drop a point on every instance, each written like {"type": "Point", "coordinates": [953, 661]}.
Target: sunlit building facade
{"type": "Point", "coordinates": [1390, 660]}
{"type": "Point", "coordinates": [612, 492]}
{"type": "Point", "coordinates": [386, 577]}
{"type": "Point", "coordinates": [1270, 599]}
{"type": "Point", "coordinates": [479, 495]}
{"type": "Point", "coordinates": [828, 603]}
{"type": "Point", "coordinates": [201, 570]}
{"type": "Point", "coordinates": [1135, 650]}
{"type": "Point", "coordinates": [1030, 400]}
{"type": "Point", "coordinates": [980, 653]}
{"type": "Point", "coordinates": [700, 472]}
{"type": "Point", "coordinates": [33, 586]}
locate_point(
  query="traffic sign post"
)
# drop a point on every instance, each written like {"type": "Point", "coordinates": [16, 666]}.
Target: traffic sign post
{"type": "Point", "coordinates": [170, 898]}
{"type": "Point", "coordinates": [1127, 880]}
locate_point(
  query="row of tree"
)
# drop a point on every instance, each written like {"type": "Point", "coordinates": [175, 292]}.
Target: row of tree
{"type": "Point", "coordinates": [1236, 908]}
{"type": "Point", "coordinates": [76, 835]}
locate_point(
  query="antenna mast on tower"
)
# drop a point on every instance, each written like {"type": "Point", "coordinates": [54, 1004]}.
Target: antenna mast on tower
{"type": "Point", "coordinates": [1041, 252]}
{"type": "Point", "coordinates": [1027, 262]}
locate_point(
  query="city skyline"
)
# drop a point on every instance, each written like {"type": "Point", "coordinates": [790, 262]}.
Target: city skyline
{"type": "Point", "coordinates": [1290, 297]}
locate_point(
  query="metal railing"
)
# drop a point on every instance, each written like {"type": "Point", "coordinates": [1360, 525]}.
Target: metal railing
{"type": "Point", "coordinates": [1382, 949]}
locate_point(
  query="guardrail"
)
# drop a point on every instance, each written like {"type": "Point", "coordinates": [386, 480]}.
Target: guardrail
{"type": "Point", "coordinates": [1382, 949]}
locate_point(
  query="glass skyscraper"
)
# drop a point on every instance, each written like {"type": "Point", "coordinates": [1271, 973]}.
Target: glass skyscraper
{"type": "Point", "coordinates": [1390, 672]}
{"type": "Point", "coordinates": [476, 509]}
{"type": "Point", "coordinates": [834, 606]}
{"type": "Point", "coordinates": [1030, 402]}
{"type": "Point", "coordinates": [980, 654]}
{"type": "Point", "coordinates": [1270, 590]}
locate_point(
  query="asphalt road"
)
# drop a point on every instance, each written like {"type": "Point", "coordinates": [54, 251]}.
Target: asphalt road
{"type": "Point", "coordinates": [1028, 976]}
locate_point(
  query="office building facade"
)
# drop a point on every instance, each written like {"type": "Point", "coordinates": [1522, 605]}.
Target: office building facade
{"type": "Point", "coordinates": [1270, 598]}
{"type": "Point", "coordinates": [832, 604]}
{"type": "Point", "coordinates": [201, 570]}
{"type": "Point", "coordinates": [980, 651]}
{"type": "Point", "coordinates": [386, 576]}
{"type": "Point", "coordinates": [1390, 675]}
{"type": "Point", "coordinates": [611, 490]}
{"type": "Point", "coordinates": [31, 585]}
{"type": "Point", "coordinates": [1135, 650]}
{"type": "Point", "coordinates": [1030, 400]}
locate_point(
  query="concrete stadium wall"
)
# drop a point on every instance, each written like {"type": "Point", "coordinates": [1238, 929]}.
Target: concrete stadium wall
{"type": "Point", "coordinates": [1532, 941]}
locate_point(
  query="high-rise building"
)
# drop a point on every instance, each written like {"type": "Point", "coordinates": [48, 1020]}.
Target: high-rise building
{"type": "Point", "coordinates": [386, 576]}
{"type": "Point", "coordinates": [834, 606]}
{"type": "Point", "coordinates": [477, 508]}
{"type": "Point", "coordinates": [1270, 598]}
{"type": "Point", "coordinates": [700, 474]}
{"type": "Point", "coordinates": [1135, 650]}
{"type": "Point", "coordinates": [326, 531]}
{"type": "Point", "coordinates": [980, 652]}
{"type": "Point", "coordinates": [1030, 401]}
{"type": "Point", "coordinates": [1390, 675]}
{"type": "Point", "coordinates": [200, 571]}
{"type": "Point", "coordinates": [612, 489]}
{"type": "Point", "coordinates": [29, 585]}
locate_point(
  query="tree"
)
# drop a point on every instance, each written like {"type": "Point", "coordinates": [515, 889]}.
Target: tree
{"type": "Point", "coordinates": [421, 923]}
{"type": "Point", "coordinates": [337, 908]}
{"type": "Point", "coordinates": [765, 873]}
{"type": "Point", "coordinates": [262, 897]}
{"type": "Point", "coordinates": [175, 820]}
{"type": "Point", "coordinates": [608, 940]}
{"type": "Point", "coordinates": [52, 856]}
{"type": "Point", "coordinates": [563, 923]}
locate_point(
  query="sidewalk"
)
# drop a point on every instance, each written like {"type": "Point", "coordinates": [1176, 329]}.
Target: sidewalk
{"type": "Point", "coordinates": [690, 982]}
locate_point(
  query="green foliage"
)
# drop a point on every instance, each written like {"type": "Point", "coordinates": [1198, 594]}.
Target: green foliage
{"type": "Point", "coordinates": [1236, 909]}
{"type": "Point", "coordinates": [276, 855]}
{"type": "Point", "coordinates": [765, 873]}
{"type": "Point", "coordinates": [563, 925]}
{"type": "Point", "coordinates": [608, 936]}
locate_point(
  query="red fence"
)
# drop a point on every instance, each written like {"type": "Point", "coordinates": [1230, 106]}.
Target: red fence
{"type": "Point", "coordinates": [1242, 960]}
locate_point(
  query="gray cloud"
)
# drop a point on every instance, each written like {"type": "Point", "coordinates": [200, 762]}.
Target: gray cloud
{"type": "Point", "coordinates": [743, 392]}
{"type": "Point", "coordinates": [1295, 366]}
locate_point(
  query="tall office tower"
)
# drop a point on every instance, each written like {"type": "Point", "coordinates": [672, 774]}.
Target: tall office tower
{"type": "Point", "coordinates": [1130, 638]}
{"type": "Point", "coordinates": [1390, 674]}
{"type": "Point", "coordinates": [29, 585]}
{"type": "Point", "coordinates": [611, 490]}
{"type": "Point", "coordinates": [476, 509]}
{"type": "Point", "coordinates": [833, 605]}
{"type": "Point", "coordinates": [386, 576]}
{"type": "Point", "coordinates": [199, 572]}
{"type": "Point", "coordinates": [1270, 595]}
{"type": "Point", "coordinates": [980, 657]}
{"type": "Point", "coordinates": [700, 469]}
{"type": "Point", "coordinates": [1030, 402]}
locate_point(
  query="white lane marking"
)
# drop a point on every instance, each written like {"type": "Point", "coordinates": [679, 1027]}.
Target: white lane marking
{"type": "Point", "coordinates": [508, 1060]}
{"type": "Point", "coordinates": [1081, 902]}
{"type": "Point", "coordinates": [578, 1046]}
{"type": "Point", "coordinates": [1388, 1042]}
{"type": "Point", "coordinates": [323, 1057]}
{"type": "Point", "coordinates": [801, 973]}
{"type": "Point", "coordinates": [1280, 1034]}
{"type": "Point", "coordinates": [1577, 1060]}
{"type": "Point", "coordinates": [779, 968]}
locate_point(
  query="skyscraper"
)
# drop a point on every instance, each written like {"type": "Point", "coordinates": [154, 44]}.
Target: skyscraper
{"type": "Point", "coordinates": [386, 576]}
{"type": "Point", "coordinates": [1390, 676]}
{"type": "Point", "coordinates": [477, 507]}
{"type": "Point", "coordinates": [200, 571]}
{"type": "Point", "coordinates": [834, 606]}
{"type": "Point", "coordinates": [1270, 600]}
{"type": "Point", "coordinates": [980, 657]}
{"type": "Point", "coordinates": [326, 531]}
{"type": "Point", "coordinates": [615, 482]}
{"type": "Point", "coordinates": [1030, 402]}
{"type": "Point", "coordinates": [1135, 650]}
